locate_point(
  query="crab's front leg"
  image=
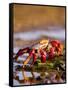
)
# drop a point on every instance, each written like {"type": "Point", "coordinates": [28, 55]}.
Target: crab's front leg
{"type": "Point", "coordinates": [29, 57]}
{"type": "Point", "coordinates": [43, 56]}
{"type": "Point", "coordinates": [21, 52]}
{"type": "Point", "coordinates": [34, 58]}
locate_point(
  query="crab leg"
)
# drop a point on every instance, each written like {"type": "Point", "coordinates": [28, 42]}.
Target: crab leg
{"type": "Point", "coordinates": [24, 75]}
{"type": "Point", "coordinates": [43, 56]}
{"type": "Point", "coordinates": [21, 52]}
{"type": "Point", "coordinates": [29, 57]}
{"type": "Point", "coordinates": [34, 58]}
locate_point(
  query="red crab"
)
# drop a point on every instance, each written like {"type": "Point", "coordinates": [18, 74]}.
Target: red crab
{"type": "Point", "coordinates": [43, 50]}
{"type": "Point", "coordinates": [58, 47]}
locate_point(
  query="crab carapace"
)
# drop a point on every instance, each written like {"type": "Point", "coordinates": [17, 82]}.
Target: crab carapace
{"type": "Point", "coordinates": [44, 49]}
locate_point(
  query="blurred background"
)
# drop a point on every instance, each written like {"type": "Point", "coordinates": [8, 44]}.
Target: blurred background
{"type": "Point", "coordinates": [33, 23]}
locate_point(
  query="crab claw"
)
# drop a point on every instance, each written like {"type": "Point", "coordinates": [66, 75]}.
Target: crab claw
{"type": "Point", "coordinates": [55, 43]}
{"type": "Point", "coordinates": [58, 46]}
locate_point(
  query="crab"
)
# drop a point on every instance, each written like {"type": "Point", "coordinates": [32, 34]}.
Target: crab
{"type": "Point", "coordinates": [44, 49]}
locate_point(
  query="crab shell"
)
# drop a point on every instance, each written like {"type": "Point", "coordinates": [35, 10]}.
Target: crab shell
{"type": "Point", "coordinates": [41, 45]}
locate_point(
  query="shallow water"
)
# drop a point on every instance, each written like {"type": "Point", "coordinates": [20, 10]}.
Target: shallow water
{"type": "Point", "coordinates": [36, 34]}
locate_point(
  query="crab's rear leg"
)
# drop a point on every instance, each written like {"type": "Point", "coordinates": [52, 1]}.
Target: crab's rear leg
{"type": "Point", "coordinates": [21, 52]}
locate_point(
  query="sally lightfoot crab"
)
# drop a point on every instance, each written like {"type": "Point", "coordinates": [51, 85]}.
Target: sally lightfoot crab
{"type": "Point", "coordinates": [44, 49]}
